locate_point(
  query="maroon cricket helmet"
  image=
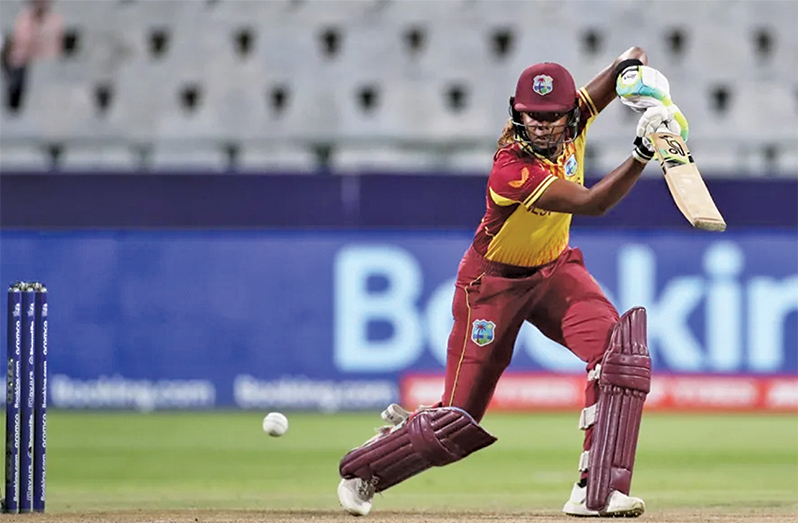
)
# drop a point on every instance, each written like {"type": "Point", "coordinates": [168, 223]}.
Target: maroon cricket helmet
{"type": "Point", "coordinates": [546, 87]}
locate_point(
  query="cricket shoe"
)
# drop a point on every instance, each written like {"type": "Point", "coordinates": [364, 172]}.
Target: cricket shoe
{"type": "Point", "coordinates": [355, 496]}
{"type": "Point", "coordinates": [619, 505]}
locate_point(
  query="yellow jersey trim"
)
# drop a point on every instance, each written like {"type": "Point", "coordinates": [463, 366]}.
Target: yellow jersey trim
{"type": "Point", "coordinates": [500, 200]}
{"type": "Point", "coordinates": [589, 101]}
{"type": "Point", "coordinates": [537, 193]}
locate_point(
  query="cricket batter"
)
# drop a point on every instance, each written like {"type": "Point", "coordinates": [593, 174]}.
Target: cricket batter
{"type": "Point", "coordinates": [520, 268]}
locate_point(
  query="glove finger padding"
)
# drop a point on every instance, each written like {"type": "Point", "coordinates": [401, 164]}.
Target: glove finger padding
{"type": "Point", "coordinates": [678, 117]}
{"type": "Point", "coordinates": [662, 119]}
{"type": "Point", "coordinates": [652, 120]}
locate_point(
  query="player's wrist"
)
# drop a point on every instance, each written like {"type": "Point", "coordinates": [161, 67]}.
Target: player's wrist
{"type": "Point", "coordinates": [642, 152]}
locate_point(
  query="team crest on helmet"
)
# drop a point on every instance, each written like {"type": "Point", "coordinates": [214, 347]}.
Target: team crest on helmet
{"type": "Point", "coordinates": [542, 84]}
{"type": "Point", "coordinates": [570, 166]}
{"type": "Point", "coordinates": [482, 332]}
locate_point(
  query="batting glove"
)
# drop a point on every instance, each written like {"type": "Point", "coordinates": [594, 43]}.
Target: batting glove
{"type": "Point", "coordinates": [641, 87]}
{"type": "Point", "coordinates": [678, 118]}
{"type": "Point", "coordinates": [657, 119]}
{"type": "Point", "coordinates": [654, 119]}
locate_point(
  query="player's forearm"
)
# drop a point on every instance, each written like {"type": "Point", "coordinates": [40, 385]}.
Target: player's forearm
{"type": "Point", "coordinates": [611, 189]}
{"type": "Point", "coordinates": [633, 52]}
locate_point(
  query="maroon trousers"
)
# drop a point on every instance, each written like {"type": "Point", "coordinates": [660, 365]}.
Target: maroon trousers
{"type": "Point", "coordinates": [560, 298]}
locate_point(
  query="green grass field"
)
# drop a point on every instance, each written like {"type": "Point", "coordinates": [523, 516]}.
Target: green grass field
{"type": "Point", "coordinates": [171, 461]}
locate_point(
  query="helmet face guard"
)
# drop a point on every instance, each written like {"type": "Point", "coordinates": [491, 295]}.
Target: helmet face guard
{"type": "Point", "coordinates": [550, 147]}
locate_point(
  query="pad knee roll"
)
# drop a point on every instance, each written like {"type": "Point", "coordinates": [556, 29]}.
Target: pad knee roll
{"type": "Point", "coordinates": [624, 382]}
{"type": "Point", "coordinates": [428, 438]}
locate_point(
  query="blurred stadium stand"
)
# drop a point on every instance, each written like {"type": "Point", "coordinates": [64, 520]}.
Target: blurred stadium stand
{"type": "Point", "coordinates": [387, 85]}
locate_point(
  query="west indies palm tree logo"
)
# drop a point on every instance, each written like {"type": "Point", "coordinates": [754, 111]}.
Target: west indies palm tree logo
{"type": "Point", "coordinates": [482, 332]}
{"type": "Point", "coordinates": [543, 84]}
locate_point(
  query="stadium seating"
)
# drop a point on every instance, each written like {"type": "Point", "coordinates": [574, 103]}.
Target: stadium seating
{"type": "Point", "coordinates": [21, 157]}
{"type": "Point", "coordinates": [401, 73]}
{"type": "Point", "coordinates": [188, 157]}
{"type": "Point", "coordinates": [100, 157]}
{"type": "Point", "coordinates": [276, 157]}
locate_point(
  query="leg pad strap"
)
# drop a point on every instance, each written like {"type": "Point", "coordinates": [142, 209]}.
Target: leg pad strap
{"type": "Point", "coordinates": [428, 438]}
{"type": "Point", "coordinates": [588, 417]}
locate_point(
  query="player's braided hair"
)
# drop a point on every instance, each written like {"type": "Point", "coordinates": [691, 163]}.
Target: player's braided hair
{"type": "Point", "coordinates": [507, 136]}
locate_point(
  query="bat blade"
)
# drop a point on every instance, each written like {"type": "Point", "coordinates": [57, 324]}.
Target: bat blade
{"type": "Point", "coordinates": [685, 183]}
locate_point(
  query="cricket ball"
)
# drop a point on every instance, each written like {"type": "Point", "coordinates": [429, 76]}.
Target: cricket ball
{"type": "Point", "coordinates": [275, 424]}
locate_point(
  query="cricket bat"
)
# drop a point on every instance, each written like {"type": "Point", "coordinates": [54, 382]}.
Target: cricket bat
{"type": "Point", "coordinates": [685, 183]}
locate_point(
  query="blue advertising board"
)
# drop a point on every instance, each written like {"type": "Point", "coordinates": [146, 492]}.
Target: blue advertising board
{"type": "Point", "coordinates": [330, 320]}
